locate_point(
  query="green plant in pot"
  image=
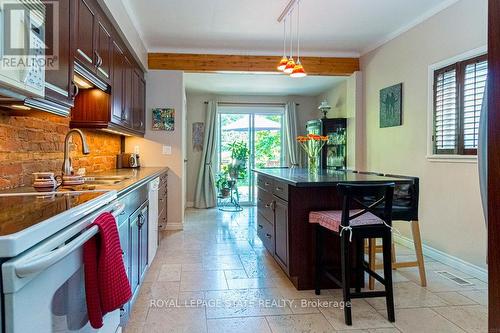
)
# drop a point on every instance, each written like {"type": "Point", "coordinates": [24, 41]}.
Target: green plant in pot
{"type": "Point", "coordinates": [222, 184]}
{"type": "Point", "coordinates": [239, 156]}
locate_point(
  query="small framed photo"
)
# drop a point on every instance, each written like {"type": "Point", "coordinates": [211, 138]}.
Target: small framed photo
{"type": "Point", "coordinates": [163, 119]}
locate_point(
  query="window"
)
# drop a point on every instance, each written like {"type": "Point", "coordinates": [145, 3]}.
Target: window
{"type": "Point", "coordinates": [458, 97]}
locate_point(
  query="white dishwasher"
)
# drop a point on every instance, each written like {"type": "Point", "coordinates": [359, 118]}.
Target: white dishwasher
{"type": "Point", "coordinates": [153, 219]}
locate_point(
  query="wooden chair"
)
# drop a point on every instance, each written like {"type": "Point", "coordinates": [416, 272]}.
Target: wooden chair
{"type": "Point", "coordinates": [405, 208]}
{"type": "Point", "coordinates": [359, 224]}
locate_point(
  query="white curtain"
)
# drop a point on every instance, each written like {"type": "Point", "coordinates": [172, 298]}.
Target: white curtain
{"type": "Point", "coordinates": [206, 192]}
{"type": "Point", "coordinates": [291, 134]}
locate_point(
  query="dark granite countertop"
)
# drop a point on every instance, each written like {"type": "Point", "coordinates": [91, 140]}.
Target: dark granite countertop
{"type": "Point", "coordinates": [300, 177]}
{"type": "Point", "coordinates": [23, 207]}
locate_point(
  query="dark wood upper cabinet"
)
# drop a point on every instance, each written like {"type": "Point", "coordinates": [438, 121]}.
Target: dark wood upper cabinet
{"type": "Point", "coordinates": [139, 99]}
{"type": "Point", "coordinates": [85, 19]}
{"type": "Point", "coordinates": [127, 78]}
{"type": "Point", "coordinates": [59, 87]}
{"type": "Point", "coordinates": [103, 51]}
{"type": "Point", "coordinates": [117, 85]}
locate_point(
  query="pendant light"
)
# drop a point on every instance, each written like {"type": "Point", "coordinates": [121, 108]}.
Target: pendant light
{"type": "Point", "coordinates": [291, 63]}
{"type": "Point", "coordinates": [284, 60]}
{"type": "Point", "coordinates": [298, 70]}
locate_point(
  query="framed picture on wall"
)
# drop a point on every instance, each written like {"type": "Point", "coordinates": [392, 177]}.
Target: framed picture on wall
{"type": "Point", "coordinates": [391, 106]}
{"type": "Point", "coordinates": [198, 136]}
{"type": "Point", "coordinates": [163, 119]}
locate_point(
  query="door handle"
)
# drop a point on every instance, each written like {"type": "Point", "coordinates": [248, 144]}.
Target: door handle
{"type": "Point", "coordinates": [42, 261]}
{"type": "Point", "coordinates": [268, 236]}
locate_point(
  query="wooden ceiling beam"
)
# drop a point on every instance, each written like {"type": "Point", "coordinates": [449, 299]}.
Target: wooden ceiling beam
{"type": "Point", "coordinates": [326, 66]}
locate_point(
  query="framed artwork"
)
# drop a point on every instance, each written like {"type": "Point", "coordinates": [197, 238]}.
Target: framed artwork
{"type": "Point", "coordinates": [163, 119]}
{"type": "Point", "coordinates": [391, 106]}
{"type": "Point", "coordinates": [198, 136]}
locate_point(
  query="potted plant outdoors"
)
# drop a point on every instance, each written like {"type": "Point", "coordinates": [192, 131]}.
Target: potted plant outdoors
{"type": "Point", "coordinates": [239, 156]}
{"type": "Point", "coordinates": [222, 184]}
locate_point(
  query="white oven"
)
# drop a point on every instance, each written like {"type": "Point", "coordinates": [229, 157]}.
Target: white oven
{"type": "Point", "coordinates": [22, 48]}
{"type": "Point", "coordinates": [43, 288]}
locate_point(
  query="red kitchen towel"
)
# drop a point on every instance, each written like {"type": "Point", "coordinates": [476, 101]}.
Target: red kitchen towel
{"type": "Point", "coordinates": [106, 283]}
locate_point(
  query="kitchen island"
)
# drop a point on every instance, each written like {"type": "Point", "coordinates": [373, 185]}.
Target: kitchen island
{"type": "Point", "coordinates": [285, 198]}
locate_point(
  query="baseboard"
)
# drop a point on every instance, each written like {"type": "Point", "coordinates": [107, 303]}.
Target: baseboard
{"type": "Point", "coordinates": [174, 226]}
{"type": "Point", "coordinates": [189, 204]}
{"type": "Point", "coordinates": [464, 266]}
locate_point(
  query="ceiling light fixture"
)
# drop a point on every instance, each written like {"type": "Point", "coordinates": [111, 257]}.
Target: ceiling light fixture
{"type": "Point", "coordinates": [291, 63]}
{"type": "Point", "coordinates": [284, 60]}
{"type": "Point", "coordinates": [298, 70]}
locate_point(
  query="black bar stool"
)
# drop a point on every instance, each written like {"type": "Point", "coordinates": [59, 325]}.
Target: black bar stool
{"type": "Point", "coordinates": [405, 208]}
{"type": "Point", "coordinates": [358, 220]}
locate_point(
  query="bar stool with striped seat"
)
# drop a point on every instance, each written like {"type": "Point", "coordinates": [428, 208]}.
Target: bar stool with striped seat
{"type": "Point", "coordinates": [405, 208]}
{"type": "Point", "coordinates": [357, 220]}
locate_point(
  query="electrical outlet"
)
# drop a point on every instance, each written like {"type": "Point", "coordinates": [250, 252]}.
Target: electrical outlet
{"type": "Point", "coordinates": [167, 150]}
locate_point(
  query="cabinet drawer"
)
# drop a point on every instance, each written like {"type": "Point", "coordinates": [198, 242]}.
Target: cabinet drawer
{"type": "Point", "coordinates": [280, 190]}
{"type": "Point", "coordinates": [265, 231]}
{"type": "Point", "coordinates": [265, 204]}
{"type": "Point", "coordinates": [265, 183]}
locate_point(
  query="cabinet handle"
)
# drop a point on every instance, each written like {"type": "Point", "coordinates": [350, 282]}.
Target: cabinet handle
{"type": "Point", "coordinates": [268, 236]}
{"type": "Point", "coordinates": [76, 90]}
{"type": "Point", "coordinates": [140, 221]}
{"type": "Point", "coordinates": [267, 184]}
{"type": "Point", "coordinates": [122, 312]}
{"type": "Point", "coordinates": [142, 124]}
{"type": "Point", "coordinates": [279, 188]}
{"type": "Point", "coordinates": [261, 226]}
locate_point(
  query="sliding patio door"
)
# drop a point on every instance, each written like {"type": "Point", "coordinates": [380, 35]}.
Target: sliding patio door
{"type": "Point", "coordinates": [260, 129]}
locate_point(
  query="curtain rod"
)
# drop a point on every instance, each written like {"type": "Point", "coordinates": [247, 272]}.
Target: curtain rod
{"type": "Point", "coordinates": [248, 103]}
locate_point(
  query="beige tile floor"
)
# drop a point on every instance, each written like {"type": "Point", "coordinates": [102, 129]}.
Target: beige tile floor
{"type": "Point", "coordinates": [216, 276]}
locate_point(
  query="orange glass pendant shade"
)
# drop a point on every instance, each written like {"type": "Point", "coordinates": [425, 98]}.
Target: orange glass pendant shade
{"type": "Point", "coordinates": [289, 66]}
{"type": "Point", "coordinates": [298, 70]}
{"type": "Point", "coordinates": [282, 64]}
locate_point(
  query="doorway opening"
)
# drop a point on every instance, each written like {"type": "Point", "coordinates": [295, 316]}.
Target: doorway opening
{"type": "Point", "coordinates": [259, 128]}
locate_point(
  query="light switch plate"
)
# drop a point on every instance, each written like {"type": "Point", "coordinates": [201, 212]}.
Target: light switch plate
{"type": "Point", "coordinates": [167, 150]}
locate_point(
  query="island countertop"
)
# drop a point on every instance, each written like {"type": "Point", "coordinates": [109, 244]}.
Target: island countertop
{"type": "Point", "coordinates": [301, 177]}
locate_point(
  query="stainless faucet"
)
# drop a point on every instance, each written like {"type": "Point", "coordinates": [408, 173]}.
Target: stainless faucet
{"type": "Point", "coordinates": [67, 168]}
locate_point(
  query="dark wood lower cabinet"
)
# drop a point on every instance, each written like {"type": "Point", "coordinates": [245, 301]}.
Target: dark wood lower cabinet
{"type": "Point", "coordinates": [272, 220]}
{"type": "Point", "coordinates": [281, 232]}
{"type": "Point", "coordinates": [133, 227]}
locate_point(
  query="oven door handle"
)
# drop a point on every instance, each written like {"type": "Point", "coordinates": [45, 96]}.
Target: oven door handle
{"type": "Point", "coordinates": [43, 261]}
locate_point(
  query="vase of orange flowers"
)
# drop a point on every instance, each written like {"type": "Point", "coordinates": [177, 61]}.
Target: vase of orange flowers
{"type": "Point", "coordinates": [312, 145]}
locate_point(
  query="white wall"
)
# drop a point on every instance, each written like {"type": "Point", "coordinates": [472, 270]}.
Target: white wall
{"type": "Point", "coordinates": [116, 12]}
{"type": "Point", "coordinates": [165, 89]}
{"type": "Point", "coordinates": [196, 108]}
{"type": "Point", "coordinates": [450, 209]}
{"type": "Point", "coordinates": [345, 99]}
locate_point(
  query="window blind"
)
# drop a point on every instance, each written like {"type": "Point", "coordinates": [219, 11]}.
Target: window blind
{"type": "Point", "coordinates": [445, 114]}
{"type": "Point", "coordinates": [458, 97]}
{"type": "Point", "coordinates": [474, 87]}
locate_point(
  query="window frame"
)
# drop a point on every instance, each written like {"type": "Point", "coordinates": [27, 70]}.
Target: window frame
{"type": "Point", "coordinates": [459, 66]}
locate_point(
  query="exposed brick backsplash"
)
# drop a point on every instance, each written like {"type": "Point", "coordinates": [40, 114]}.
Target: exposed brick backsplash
{"type": "Point", "coordinates": [34, 142]}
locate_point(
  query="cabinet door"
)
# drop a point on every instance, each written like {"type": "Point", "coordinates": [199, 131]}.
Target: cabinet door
{"type": "Point", "coordinates": [138, 96]}
{"type": "Point", "coordinates": [84, 33]}
{"type": "Point", "coordinates": [143, 241]}
{"type": "Point", "coordinates": [281, 232]}
{"type": "Point", "coordinates": [58, 83]}
{"type": "Point", "coordinates": [134, 252]}
{"type": "Point", "coordinates": [117, 84]}
{"type": "Point", "coordinates": [103, 51]}
{"type": "Point", "coordinates": [127, 93]}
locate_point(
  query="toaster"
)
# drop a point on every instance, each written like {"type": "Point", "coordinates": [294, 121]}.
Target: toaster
{"type": "Point", "coordinates": [130, 160]}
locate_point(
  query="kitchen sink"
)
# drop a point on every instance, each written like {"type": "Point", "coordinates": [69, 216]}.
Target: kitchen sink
{"type": "Point", "coordinates": [104, 180]}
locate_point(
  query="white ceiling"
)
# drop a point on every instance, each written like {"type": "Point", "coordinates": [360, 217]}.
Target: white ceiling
{"type": "Point", "coordinates": [328, 27]}
{"type": "Point", "coordinates": [258, 84]}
